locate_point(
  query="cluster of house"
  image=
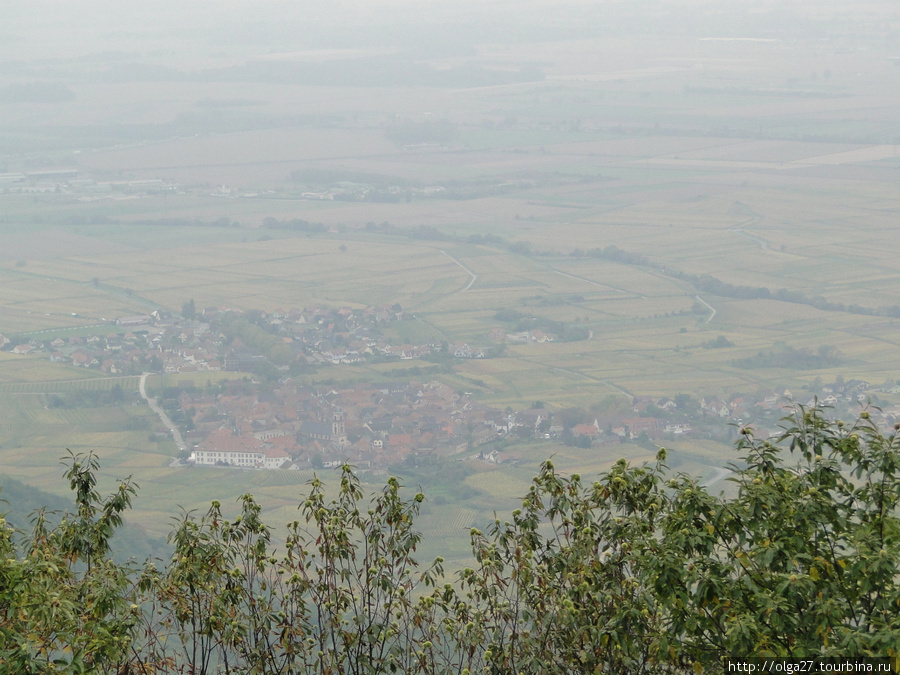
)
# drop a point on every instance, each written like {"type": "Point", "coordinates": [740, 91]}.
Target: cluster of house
{"type": "Point", "coordinates": [839, 393]}
{"type": "Point", "coordinates": [113, 353]}
{"type": "Point", "coordinates": [149, 343]}
{"type": "Point", "coordinates": [68, 181]}
{"type": "Point", "coordinates": [329, 336]}
{"type": "Point", "coordinates": [162, 342]}
{"type": "Point", "coordinates": [350, 191]}
{"type": "Point", "coordinates": [84, 187]}
{"type": "Point", "coordinates": [762, 411]}
{"type": "Point", "coordinates": [372, 426]}
{"type": "Point", "coordinates": [527, 336]}
{"type": "Point", "coordinates": [375, 426]}
{"type": "Point", "coordinates": [324, 335]}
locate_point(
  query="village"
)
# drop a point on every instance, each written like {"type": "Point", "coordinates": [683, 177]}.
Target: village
{"type": "Point", "coordinates": [268, 417]}
{"type": "Point", "coordinates": [217, 339]}
{"type": "Point", "coordinates": [375, 426]}
{"type": "Point", "coordinates": [71, 183]}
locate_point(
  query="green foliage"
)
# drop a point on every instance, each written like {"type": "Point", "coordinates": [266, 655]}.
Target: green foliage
{"type": "Point", "coordinates": [803, 562]}
{"type": "Point", "coordinates": [638, 573]}
{"type": "Point", "coordinates": [65, 606]}
{"type": "Point", "coordinates": [341, 599]}
{"type": "Point", "coordinates": [720, 342]}
{"type": "Point", "coordinates": [635, 572]}
{"type": "Point", "coordinates": [524, 322]}
{"type": "Point", "coordinates": [207, 607]}
{"type": "Point", "coordinates": [91, 398]}
{"type": "Point", "coordinates": [259, 340]}
{"type": "Point", "coordinates": [555, 584]}
{"type": "Point", "coordinates": [685, 402]}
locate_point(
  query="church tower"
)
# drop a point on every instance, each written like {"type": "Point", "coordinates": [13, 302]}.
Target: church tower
{"type": "Point", "coordinates": [337, 422]}
{"type": "Point", "coordinates": [338, 435]}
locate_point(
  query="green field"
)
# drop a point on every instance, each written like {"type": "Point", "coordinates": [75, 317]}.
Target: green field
{"type": "Point", "coordinates": [126, 383]}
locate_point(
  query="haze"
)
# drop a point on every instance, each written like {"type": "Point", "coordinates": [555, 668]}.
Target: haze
{"type": "Point", "coordinates": [583, 229]}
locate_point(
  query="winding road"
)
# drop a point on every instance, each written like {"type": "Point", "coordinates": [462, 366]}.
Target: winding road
{"type": "Point", "coordinates": [471, 273]}
{"type": "Point", "coordinates": [176, 434]}
{"type": "Point", "coordinates": [708, 306]}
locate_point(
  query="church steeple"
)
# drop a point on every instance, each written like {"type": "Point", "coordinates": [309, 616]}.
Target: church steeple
{"type": "Point", "coordinates": [338, 434]}
{"type": "Point", "coordinates": [337, 423]}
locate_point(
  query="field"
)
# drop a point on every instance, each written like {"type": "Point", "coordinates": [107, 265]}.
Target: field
{"type": "Point", "coordinates": [607, 196]}
{"type": "Point", "coordinates": [126, 383]}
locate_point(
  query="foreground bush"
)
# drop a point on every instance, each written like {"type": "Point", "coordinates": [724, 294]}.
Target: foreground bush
{"type": "Point", "coordinates": [636, 572]}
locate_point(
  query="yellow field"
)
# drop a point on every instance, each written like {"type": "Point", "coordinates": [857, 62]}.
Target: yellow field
{"type": "Point", "coordinates": [36, 368]}
{"type": "Point", "coordinates": [498, 484]}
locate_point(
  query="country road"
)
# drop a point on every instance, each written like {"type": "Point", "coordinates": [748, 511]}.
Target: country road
{"type": "Point", "coordinates": [176, 434]}
{"type": "Point", "coordinates": [708, 306]}
{"type": "Point", "coordinates": [470, 272]}
{"type": "Point", "coordinates": [596, 283]}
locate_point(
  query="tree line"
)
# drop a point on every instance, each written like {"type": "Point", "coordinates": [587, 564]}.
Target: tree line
{"type": "Point", "coordinates": [637, 571]}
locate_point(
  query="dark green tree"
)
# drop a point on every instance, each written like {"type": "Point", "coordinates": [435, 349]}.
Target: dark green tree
{"type": "Point", "coordinates": [802, 562]}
